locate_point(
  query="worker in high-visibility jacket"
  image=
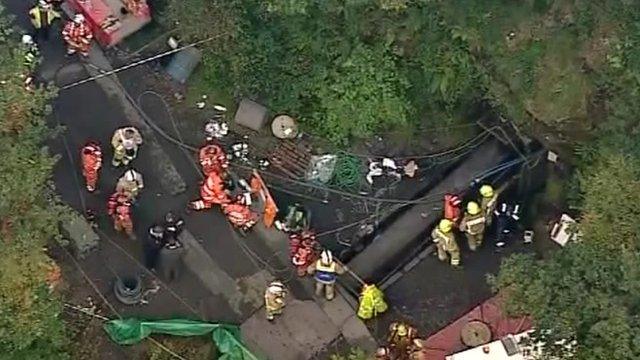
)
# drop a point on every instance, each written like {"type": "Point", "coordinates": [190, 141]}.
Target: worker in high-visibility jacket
{"type": "Point", "coordinates": [489, 202]}
{"type": "Point", "coordinates": [130, 184]}
{"type": "Point", "coordinates": [473, 224]}
{"type": "Point", "coordinates": [78, 35]}
{"type": "Point", "coordinates": [371, 302]}
{"type": "Point", "coordinates": [274, 299]}
{"type": "Point", "coordinates": [212, 192]}
{"type": "Point", "coordinates": [42, 16]}
{"type": "Point", "coordinates": [91, 159]}
{"type": "Point", "coordinates": [125, 142]}
{"type": "Point", "coordinates": [445, 241]}
{"type": "Point", "coordinates": [212, 158]}
{"type": "Point", "coordinates": [326, 271]}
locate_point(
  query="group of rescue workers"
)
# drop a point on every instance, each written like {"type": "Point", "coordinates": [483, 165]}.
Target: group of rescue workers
{"type": "Point", "coordinates": [162, 240]}
{"type": "Point", "coordinates": [76, 33]}
{"type": "Point", "coordinates": [234, 197]}
{"type": "Point", "coordinates": [308, 257]}
{"type": "Point", "coordinates": [477, 218]}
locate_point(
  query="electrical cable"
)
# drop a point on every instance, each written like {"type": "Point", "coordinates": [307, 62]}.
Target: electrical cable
{"type": "Point", "coordinates": [139, 62]}
{"type": "Point", "coordinates": [194, 149]}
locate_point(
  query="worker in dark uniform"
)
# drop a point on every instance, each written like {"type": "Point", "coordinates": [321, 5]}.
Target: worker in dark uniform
{"type": "Point", "coordinates": [152, 245]}
{"type": "Point", "coordinates": [173, 226]}
{"type": "Point", "coordinates": [171, 259]}
{"type": "Point", "coordinates": [507, 218]}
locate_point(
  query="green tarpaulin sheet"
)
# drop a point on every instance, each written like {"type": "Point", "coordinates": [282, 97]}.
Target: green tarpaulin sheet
{"type": "Point", "coordinates": [226, 337]}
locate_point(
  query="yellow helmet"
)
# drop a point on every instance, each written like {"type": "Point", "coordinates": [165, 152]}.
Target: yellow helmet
{"type": "Point", "coordinates": [486, 191]}
{"type": "Point", "coordinates": [473, 208]}
{"type": "Point", "coordinates": [445, 225]}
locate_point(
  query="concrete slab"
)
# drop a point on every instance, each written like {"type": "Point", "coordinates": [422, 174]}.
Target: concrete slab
{"type": "Point", "coordinates": [302, 331]}
{"type": "Point", "coordinates": [337, 309]}
{"type": "Point", "coordinates": [81, 235]}
{"type": "Point", "coordinates": [216, 280]}
{"type": "Point", "coordinates": [251, 114]}
{"type": "Point", "coordinates": [357, 334]}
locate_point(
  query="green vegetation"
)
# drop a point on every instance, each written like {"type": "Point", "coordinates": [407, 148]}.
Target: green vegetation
{"type": "Point", "coordinates": [350, 68]}
{"type": "Point", "coordinates": [30, 326]}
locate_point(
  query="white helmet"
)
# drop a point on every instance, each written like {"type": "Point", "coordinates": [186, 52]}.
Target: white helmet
{"type": "Point", "coordinates": [326, 257]}
{"type": "Point", "coordinates": [78, 18]}
{"type": "Point", "coordinates": [276, 288]}
{"type": "Point", "coordinates": [27, 39]}
{"type": "Point", "coordinates": [45, 4]}
{"type": "Point", "coordinates": [131, 175]}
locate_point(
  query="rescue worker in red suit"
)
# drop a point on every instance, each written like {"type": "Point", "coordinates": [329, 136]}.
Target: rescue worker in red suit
{"type": "Point", "coordinates": [91, 159]}
{"type": "Point", "coordinates": [212, 192]}
{"type": "Point", "coordinates": [452, 207]}
{"type": "Point", "coordinates": [119, 208]}
{"type": "Point", "coordinates": [239, 214]}
{"type": "Point", "coordinates": [303, 250]}
{"type": "Point", "coordinates": [77, 35]}
{"type": "Point", "coordinates": [212, 158]}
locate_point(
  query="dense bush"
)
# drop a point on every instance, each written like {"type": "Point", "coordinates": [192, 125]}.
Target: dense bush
{"type": "Point", "coordinates": [30, 326]}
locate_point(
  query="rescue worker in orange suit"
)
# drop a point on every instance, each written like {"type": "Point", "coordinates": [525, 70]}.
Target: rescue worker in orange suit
{"type": "Point", "coordinates": [442, 235]}
{"type": "Point", "coordinates": [274, 299]}
{"type": "Point", "coordinates": [302, 249]}
{"type": "Point", "coordinates": [326, 271]}
{"type": "Point", "coordinates": [125, 142]}
{"type": "Point", "coordinates": [239, 214]}
{"type": "Point", "coordinates": [77, 35]}
{"type": "Point", "coordinates": [119, 208]}
{"type": "Point", "coordinates": [212, 158]}
{"type": "Point", "coordinates": [212, 192]}
{"type": "Point", "coordinates": [399, 338]}
{"type": "Point", "coordinates": [91, 160]}
{"type": "Point", "coordinates": [473, 225]}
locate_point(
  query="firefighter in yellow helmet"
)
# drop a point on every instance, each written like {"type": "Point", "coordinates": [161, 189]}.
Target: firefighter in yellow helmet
{"type": "Point", "coordinates": [445, 241]}
{"type": "Point", "coordinates": [400, 337]}
{"type": "Point", "coordinates": [274, 298]}
{"type": "Point", "coordinates": [326, 271]}
{"type": "Point", "coordinates": [473, 225]}
{"type": "Point", "coordinates": [488, 202]}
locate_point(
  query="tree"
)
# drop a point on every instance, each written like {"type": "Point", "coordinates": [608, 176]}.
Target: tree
{"type": "Point", "coordinates": [364, 94]}
{"type": "Point", "coordinates": [589, 291]}
{"type": "Point", "coordinates": [30, 326]}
